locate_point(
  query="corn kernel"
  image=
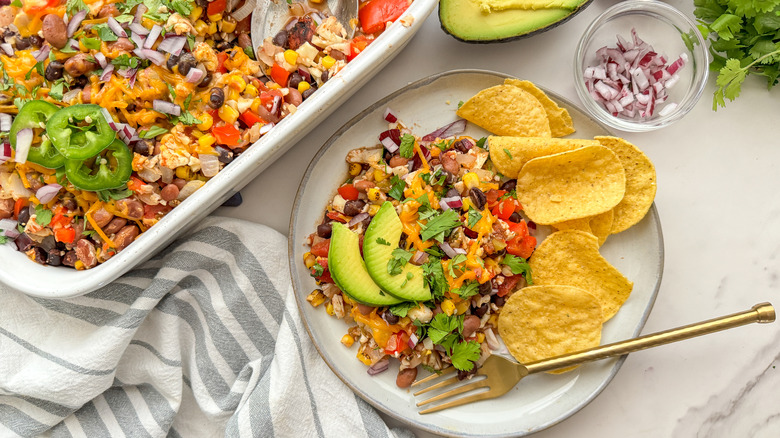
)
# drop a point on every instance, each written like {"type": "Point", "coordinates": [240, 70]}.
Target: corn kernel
{"type": "Point", "coordinates": [227, 26]}
{"type": "Point", "coordinates": [291, 56]}
{"type": "Point", "coordinates": [303, 86]}
{"type": "Point", "coordinates": [233, 94]}
{"type": "Point", "coordinates": [184, 172]}
{"type": "Point", "coordinates": [216, 17]}
{"type": "Point", "coordinates": [316, 297]}
{"type": "Point", "coordinates": [379, 175]}
{"type": "Point", "coordinates": [251, 90]}
{"type": "Point", "coordinates": [197, 11]}
{"type": "Point", "coordinates": [309, 259]}
{"type": "Point", "coordinates": [493, 320]}
{"type": "Point", "coordinates": [328, 62]}
{"type": "Point", "coordinates": [471, 180]}
{"type": "Point", "coordinates": [255, 105]}
{"type": "Point", "coordinates": [329, 309]}
{"type": "Point", "coordinates": [236, 82]}
{"type": "Point", "coordinates": [373, 194]}
{"type": "Point", "coordinates": [361, 357]}
{"type": "Point", "coordinates": [207, 122]}
{"type": "Point", "coordinates": [448, 307]}
{"type": "Point", "coordinates": [206, 141]}
{"type": "Point", "coordinates": [228, 114]}
{"type": "Point", "coordinates": [273, 85]}
{"type": "Point", "coordinates": [373, 209]}
{"type": "Point", "coordinates": [347, 300]}
{"type": "Point", "coordinates": [354, 169]}
{"type": "Point", "coordinates": [463, 306]}
{"type": "Point", "coordinates": [466, 204]}
{"type": "Point", "coordinates": [212, 28]}
{"type": "Point", "coordinates": [480, 337]}
{"type": "Point", "coordinates": [347, 340]}
{"type": "Point", "coordinates": [79, 265]}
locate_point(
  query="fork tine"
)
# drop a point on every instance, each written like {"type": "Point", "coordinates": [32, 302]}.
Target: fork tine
{"type": "Point", "coordinates": [438, 385]}
{"type": "Point", "coordinates": [461, 401]}
{"type": "Point", "coordinates": [433, 376]}
{"type": "Point", "coordinates": [459, 390]}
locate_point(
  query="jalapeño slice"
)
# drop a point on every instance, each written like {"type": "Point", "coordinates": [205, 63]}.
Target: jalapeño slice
{"type": "Point", "coordinates": [110, 169]}
{"type": "Point", "coordinates": [80, 131]}
{"type": "Point", "coordinates": [34, 114]}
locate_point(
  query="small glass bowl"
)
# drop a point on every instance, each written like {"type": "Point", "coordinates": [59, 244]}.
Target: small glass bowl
{"type": "Point", "coordinates": [664, 28]}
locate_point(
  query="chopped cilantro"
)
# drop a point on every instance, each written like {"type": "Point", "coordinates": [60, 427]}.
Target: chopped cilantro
{"type": "Point", "coordinates": [460, 104]}
{"type": "Point", "coordinates": [474, 217]}
{"type": "Point", "coordinates": [38, 67]}
{"type": "Point", "coordinates": [104, 32]}
{"type": "Point", "coordinates": [114, 194]}
{"type": "Point", "coordinates": [464, 354]}
{"type": "Point", "coordinates": [188, 119]}
{"type": "Point", "coordinates": [434, 276]}
{"type": "Point", "coordinates": [467, 290]}
{"type": "Point", "coordinates": [126, 61]}
{"type": "Point", "coordinates": [518, 265]}
{"type": "Point", "coordinates": [317, 270]}
{"type": "Point", "coordinates": [73, 6]}
{"type": "Point", "coordinates": [17, 3]}
{"type": "Point", "coordinates": [460, 258]}
{"type": "Point", "coordinates": [510, 194]}
{"type": "Point", "coordinates": [481, 142]}
{"type": "Point", "coordinates": [91, 43]}
{"type": "Point", "coordinates": [382, 241]}
{"type": "Point", "coordinates": [397, 188]}
{"type": "Point", "coordinates": [400, 257]}
{"type": "Point", "coordinates": [42, 215]}
{"type": "Point", "coordinates": [152, 132]}
{"type": "Point", "coordinates": [3, 239]}
{"type": "Point", "coordinates": [183, 7]}
{"type": "Point", "coordinates": [508, 154]}
{"type": "Point", "coordinates": [403, 309]}
{"type": "Point", "coordinates": [442, 325]}
{"type": "Point", "coordinates": [440, 224]}
{"type": "Point", "coordinates": [407, 146]}
{"type": "Point", "coordinates": [57, 90]}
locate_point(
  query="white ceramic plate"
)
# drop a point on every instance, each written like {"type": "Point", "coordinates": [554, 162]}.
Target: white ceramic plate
{"type": "Point", "coordinates": [538, 401]}
{"type": "Point", "coordinates": [24, 275]}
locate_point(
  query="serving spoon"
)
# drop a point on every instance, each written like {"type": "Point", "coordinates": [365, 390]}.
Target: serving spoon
{"type": "Point", "coordinates": [270, 16]}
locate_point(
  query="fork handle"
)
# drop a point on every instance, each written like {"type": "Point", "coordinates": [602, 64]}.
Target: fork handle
{"type": "Point", "coordinates": [761, 313]}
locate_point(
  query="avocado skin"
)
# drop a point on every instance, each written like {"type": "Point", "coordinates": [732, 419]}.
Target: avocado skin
{"type": "Point", "coordinates": [455, 5]}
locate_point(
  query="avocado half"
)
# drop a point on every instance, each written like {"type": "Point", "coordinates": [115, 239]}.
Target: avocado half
{"type": "Point", "coordinates": [466, 22]}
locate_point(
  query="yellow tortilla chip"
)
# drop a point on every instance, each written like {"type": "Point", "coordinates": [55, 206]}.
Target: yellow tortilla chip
{"type": "Point", "coordinates": [539, 322]}
{"type": "Point", "coordinates": [507, 110]}
{"type": "Point", "coordinates": [571, 257]}
{"type": "Point", "coordinates": [509, 154]}
{"type": "Point", "coordinates": [640, 183]}
{"type": "Point", "coordinates": [561, 123]}
{"type": "Point", "coordinates": [571, 185]}
{"type": "Point", "coordinates": [599, 225]}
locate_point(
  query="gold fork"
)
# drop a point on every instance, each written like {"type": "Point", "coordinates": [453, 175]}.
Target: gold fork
{"type": "Point", "coordinates": [502, 374]}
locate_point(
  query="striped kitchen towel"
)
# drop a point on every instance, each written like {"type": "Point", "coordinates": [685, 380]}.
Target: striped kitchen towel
{"type": "Point", "coordinates": [203, 340]}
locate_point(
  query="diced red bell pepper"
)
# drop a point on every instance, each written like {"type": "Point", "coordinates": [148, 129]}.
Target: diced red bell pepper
{"type": "Point", "coordinates": [338, 217]}
{"type": "Point", "coordinates": [65, 235]}
{"type": "Point", "coordinates": [357, 45]}
{"type": "Point", "coordinates": [150, 211]}
{"type": "Point", "coordinates": [60, 220]}
{"type": "Point", "coordinates": [397, 343]}
{"type": "Point", "coordinates": [321, 248]}
{"type": "Point", "coordinates": [522, 246]}
{"type": "Point", "coordinates": [520, 229]}
{"type": "Point", "coordinates": [493, 195]}
{"type": "Point", "coordinates": [221, 58]}
{"type": "Point", "coordinates": [349, 192]}
{"type": "Point", "coordinates": [226, 135]}
{"type": "Point", "coordinates": [279, 75]}
{"type": "Point", "coordinates": [325, 277]}
{"type": "Point", "coordinates": [376, 13]}
{"type": "Point", "coordinates": [19, 205]}
{"type": "Point", "coordinates": [135, 184]}
{"type": "Point", "coordinates": [216, 7]}
{"type": "Point", "coordinates": [250, 119]}
{"type": "Point", "coordinates": [508, 285]}
{"type": "Point", "coordinates": [504, 208]}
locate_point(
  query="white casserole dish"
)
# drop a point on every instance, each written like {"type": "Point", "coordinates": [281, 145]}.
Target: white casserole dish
{"type": "Point", "coordinates": [20, 273]}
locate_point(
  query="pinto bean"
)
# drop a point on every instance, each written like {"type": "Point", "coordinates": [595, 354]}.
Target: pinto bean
{"type": "Point", "coordinates": [55, 31]}
{"type": "Point", "coordinates": [79, 65]}
{"type": "Point", "coordinates": [70, 258]}
{"type": "Point", "coordinates": [293, 97]}
{"type": "Point", "coordinates": [6, 208]}
{"type": "Point", "coordinates": [406, 377]}
{"type": "Point", "coordinates": [108, 11]}
{"type": "Point", "coordinates": [125, 236]}
{"type": "Point", "coordinates": [85, 251]}
{"type": "Point", "coordinates": [131, 208]}
{"type": "Point", "coordinates": [449, 164]}
{"type": "Point", "coordinates": [115, 225]}
{"type": "Point", "coordinates": [470, 325]}
{"type": "Point", "coordinates": [398, 160]}
{"type": "Point", "coordinates": [169, 192]}
{"type": "Point", "coordinates": [244, 40]}
{"type": "Point", "coordinates": [86, 94]}
{"type": "Point", "coordinates": [364, 184]}
{"type": "Point", "coordinates": [101, 217]}
{"type": "Point", "coordinates": [122, 44]}
{"type": "Point", "coordinates": [7, 16]}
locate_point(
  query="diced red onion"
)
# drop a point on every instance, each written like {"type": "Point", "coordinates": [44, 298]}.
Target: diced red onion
{"type": "Point", "coordinates": [41, 55]}
{"type": "Point", "coordinates": [450, 251]}
{"type": "Point", "coordinates": [140, 10]}
{"type": "Point", "coordinates": [47, 192]}
{"type": "Point", "coordinates": [276, 105]}
{"type": "Point", "coordinates": [390, 115]}
{"type": "Point", "coordinates": [393, 134]}
{"type": "Point", "coordinates": [172, 44]}
{"type": "Point", "coordinates": [412, 342]}
{"type": "Point", "coordinates": [419, 258]}
{"type": "Point", "coordinates": [389, 144]}
{"type": "Point", "coordinates": [209, 165]}
{"type": "Point", "coordinates": [116, 27]}
{"type": "Point", "coordinates": [195, 75]}
{"type": "Point", "coordinates": [453, 128]}
{"type": "Point", "coordinates": [101, 59]}
{"type": "Point", "coordinates": [666, 110]}
{"type": "Point", "coordinates": [24, 140]}
{"type": "Point", "coordinates": [73, 44]}
{"type": "Point", "coordinates": [265, 128]}
{"type": "Point", "coordinates": [7, 48]}
{"type": "Point", "coordinates": [152, 37]}
{"type": "Point", "coordinates": [379, 367]}
{"type": "Point", "coordinates": [7, 151]}
{"type": "Point", "coordinates": [126, 72]}
{"type": "Point", "coordinates": [109, 118]}
{"type": "Point", "coordinates": [451, 202]}
{"type": "Point", "coordinates": [154, 56]}
{"type": "Point", "coordinates": [492, 340]}
{"type": "Point", "coordinates": [139, 41]}
{"type": "Point", "coordinates": [5, 122]}
{"type": "Point", "coordinates": [165, 107]}
{"type": "Point", "coordinates": [360, 217]}
{"type": "Point", "coordinates": [244, 11]}
{"type": "Point", "coordinates": [139, 29]}
{"type": "Point", "coordinates": [107, 72]}
{"type": "Point", "coordinates": [67, 97]}
{"type": "Point", "coordinates": [304, 72]}
{"type": "Point", "coordinates": [9, 227]}
{"type": "Point", "coordinates": [75, 21]}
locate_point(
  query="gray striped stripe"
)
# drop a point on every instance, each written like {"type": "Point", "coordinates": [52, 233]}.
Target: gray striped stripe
{"type": "Point", "coordinates": [173, 434]}
{"type": "Point", "coordinates": [93, 315]}
{"type": "Point", "coordinates": [60, 431]}
{"type": "Point", "coordinates": [166, 361]}
{"type": "Point", "coordinates": [50, 407]}
{"type": "Point", "coordinates": [21, 423]}
{"type": "Point", "coordinates": [90, 421]}
{"type": "Point", "coordinates": [158, 405]}
{"type": "Point", "coordinates": [124, 412]}
{"type": "Point", "coordinates": [294, 330]}
{"type": "Point", "coordinates": [374, 426]}
{"type": "Point", "coordinates": [59, 361]}
{"type": "Point", "coordinates": [260, 418]}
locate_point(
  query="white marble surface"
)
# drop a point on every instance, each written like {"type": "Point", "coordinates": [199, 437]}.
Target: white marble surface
{"type": "Point", "coordinates": [719, 203]}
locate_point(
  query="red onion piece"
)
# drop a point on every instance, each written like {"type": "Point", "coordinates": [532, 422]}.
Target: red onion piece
{"type": "Point", "coordinates": [101, 59]}
{"type": "Point", "coordinates": [453, 128]}
{"type": "Point", "coordinates": [276, 106]}
{"type": "Point", "coordinates": [265, 128]}
{"type": "Point", "coordinates": [388, 143]}
{"type": "Point", "coordinates": [412, 342]}
{"type": "Point", "coordinates": [7, 151]}
{"type": "Point", "coordinates": [152, 37]}
{"type": "Point", "coordinates": [209, 165]}
{"type": "Point", "coordinates": [7, 48]}
{"type": "Point", "coordinates": [70, 95]}
{"type": "Point", "coordinates": [5, 122]}
{"type": "Point", "coordinates": [75, 21]}
{"type": "Point", "coordinates": [24, 140]}
{"type": "Point", "coordinates": [172, 44]}
{"type": "Point", "coordinates": [244, 11]}
{"type": "Point", "coordinates": [41, 55]}
{"type": "Point", "coordinates": [154, 56]}
{"type": "Point", "coordinates": [107, 72]}
{"type": "Point", "coordinates": [195, 75]}
{"type": "Point", "coordinates": [116, 27]}
{"type": "Point", "coordinates": [450, 251]}
{"type": "Point", "coordinates": [390, 115]}
{"type": "Point", "coordinates": [73, 44]}
{"type": "Point", "coordinates": [360, 217]}
{"type": "Point", "coordinates": [126, 72]}
{"type": "Point", "coordinates": [9, 227]}
{"type": "Point", "coordinates": [393, 134]}
{"type": "Point", "coordinates": [379, 367]}
{"type": "Point", "coordinates": [451, 202]}
{"type": "Point", "coordinates": [164, 107]}
{"type": "Point", "coordinates": [109, 118]}
{"type": "Point", "coordinates": [139, 41]}
{"type": "Point", "coordinates": [305, 74]}
{"type": "Point", "coordinates": [47, 192]}
{"type": "Point", "coordinates": [139, 29]}
{"type": "Point", "coordinates": [419, 258]}
{"type": "Point", "coordinates": [140, 10]}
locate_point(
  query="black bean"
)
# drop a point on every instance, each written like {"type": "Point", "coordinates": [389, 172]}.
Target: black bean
{"type": "Point", "coordinates": [54, 70]}
{"type": "Point", "coordinates": [37, 254]}
{"type": "Point", "coordinates": [224, 46]}
{"type": "Point", "coordinates": [390, 317]}
{"type": "Point", "coordinates": [79, 82]}
{"type": "Point", "coordinates": [452, 192]}
{"type": "Point", "coordinates": [202, 3]}
{"type": "Point", "coordinates": [477, 197]}
{"type": "Point", "coordinates": [54, 257]}
{"type": "Point", "coordinates": [23, 242]}
{"type": "Point", "coordinates": [36, 41]}
{"type": "Point", "coordinates": [485, 288]}
{"type": "Point", "coordinates": [462, 145]}
{"type": "Point", "coordinates": [281, 38]}
{"type": "Point", "coordinates": [509, 185]}
{"type": "Point", "coordinates": [463, 375]}
{"type": "Point", "coordinates": [294, 80]}
{"type": "Point", "coordinates": [23, 43]}
{"type": "Point", "coordinates": [225, 154]}
{"type": "Point", "coordinates": [234, 201]}
{"type": "Point", "coordinates": [206, 80]}
{"type": "Point", "coordinates": [69, 203]}
{"type": "Point", "coordinates": [481, 310]}
{"type": "Point", "coordinates": [186, 62]}
{"type": "Point", "coordinates": [498, 301]}
{"type": "Point", "coordinates": [306, 94]}
{"type": "Point", "coordinates": [48, 243]}
{"type": "Point", "coordinates": [24, 216]}
{"type": "Point", "coordinates": [217, 98]}
{"type": "Point", "coordinates": [325, 76]}
{"type": "Point", "coordinates": [449, 178]}
{"type": "Point", "coordinates": [324, 230]}
{"type": "Point", "coordinates": [143, 147]}
{"type": "Point", "coordinates": [353, 208]}
{"type": "Point", "coordinates": [172, 61]}
{"type": "Point", "coordinates": [70, 258]}
{"type": "Point", "coordinates": [515, 217]}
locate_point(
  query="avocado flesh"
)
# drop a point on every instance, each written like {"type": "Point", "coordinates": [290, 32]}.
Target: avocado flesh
{"type": "Point", "coordinates": [349, 272]}
{"type": "Point", "coordinates": [386, 226]}
{"type": "Point", "coordinates": [464, 20]}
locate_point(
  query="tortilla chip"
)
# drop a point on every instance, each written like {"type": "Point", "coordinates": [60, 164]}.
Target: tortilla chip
{"type": "Point", "coordinates": [571, 257]}
{"type": "Point", "coordinates": [539, 322]}
{"type": "Point", "coordinates": [507, 110]}
{"type": "Point", "coordinates": [640, 183]}
{"type": "Point", "coordinates": [561, 123]}
{"type": "Point", "coordinates": [599, 225]}
{"type": "Point", "coordinates": [571, 185]}
{"type": "Point", "coordinates": [523, 149]}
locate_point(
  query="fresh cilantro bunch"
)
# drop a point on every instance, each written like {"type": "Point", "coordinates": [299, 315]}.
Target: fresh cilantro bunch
{"type": "Point", "coordinates": [744, 40]}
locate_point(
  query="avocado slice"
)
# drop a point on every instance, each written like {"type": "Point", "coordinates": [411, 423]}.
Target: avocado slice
{"type": "Point", "coordinates": [466, 21]}
{"type": "Point", "coordinates": [386, 228]}
{"type": "Point", "coordinates": [349, 272]}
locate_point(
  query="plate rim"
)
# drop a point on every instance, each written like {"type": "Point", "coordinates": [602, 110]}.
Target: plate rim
{"type": "Point", "coordinates": [300, 301]}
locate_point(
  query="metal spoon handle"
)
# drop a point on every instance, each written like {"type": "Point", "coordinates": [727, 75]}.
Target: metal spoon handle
{"type": "Point", "coordinates": [761, 313]}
